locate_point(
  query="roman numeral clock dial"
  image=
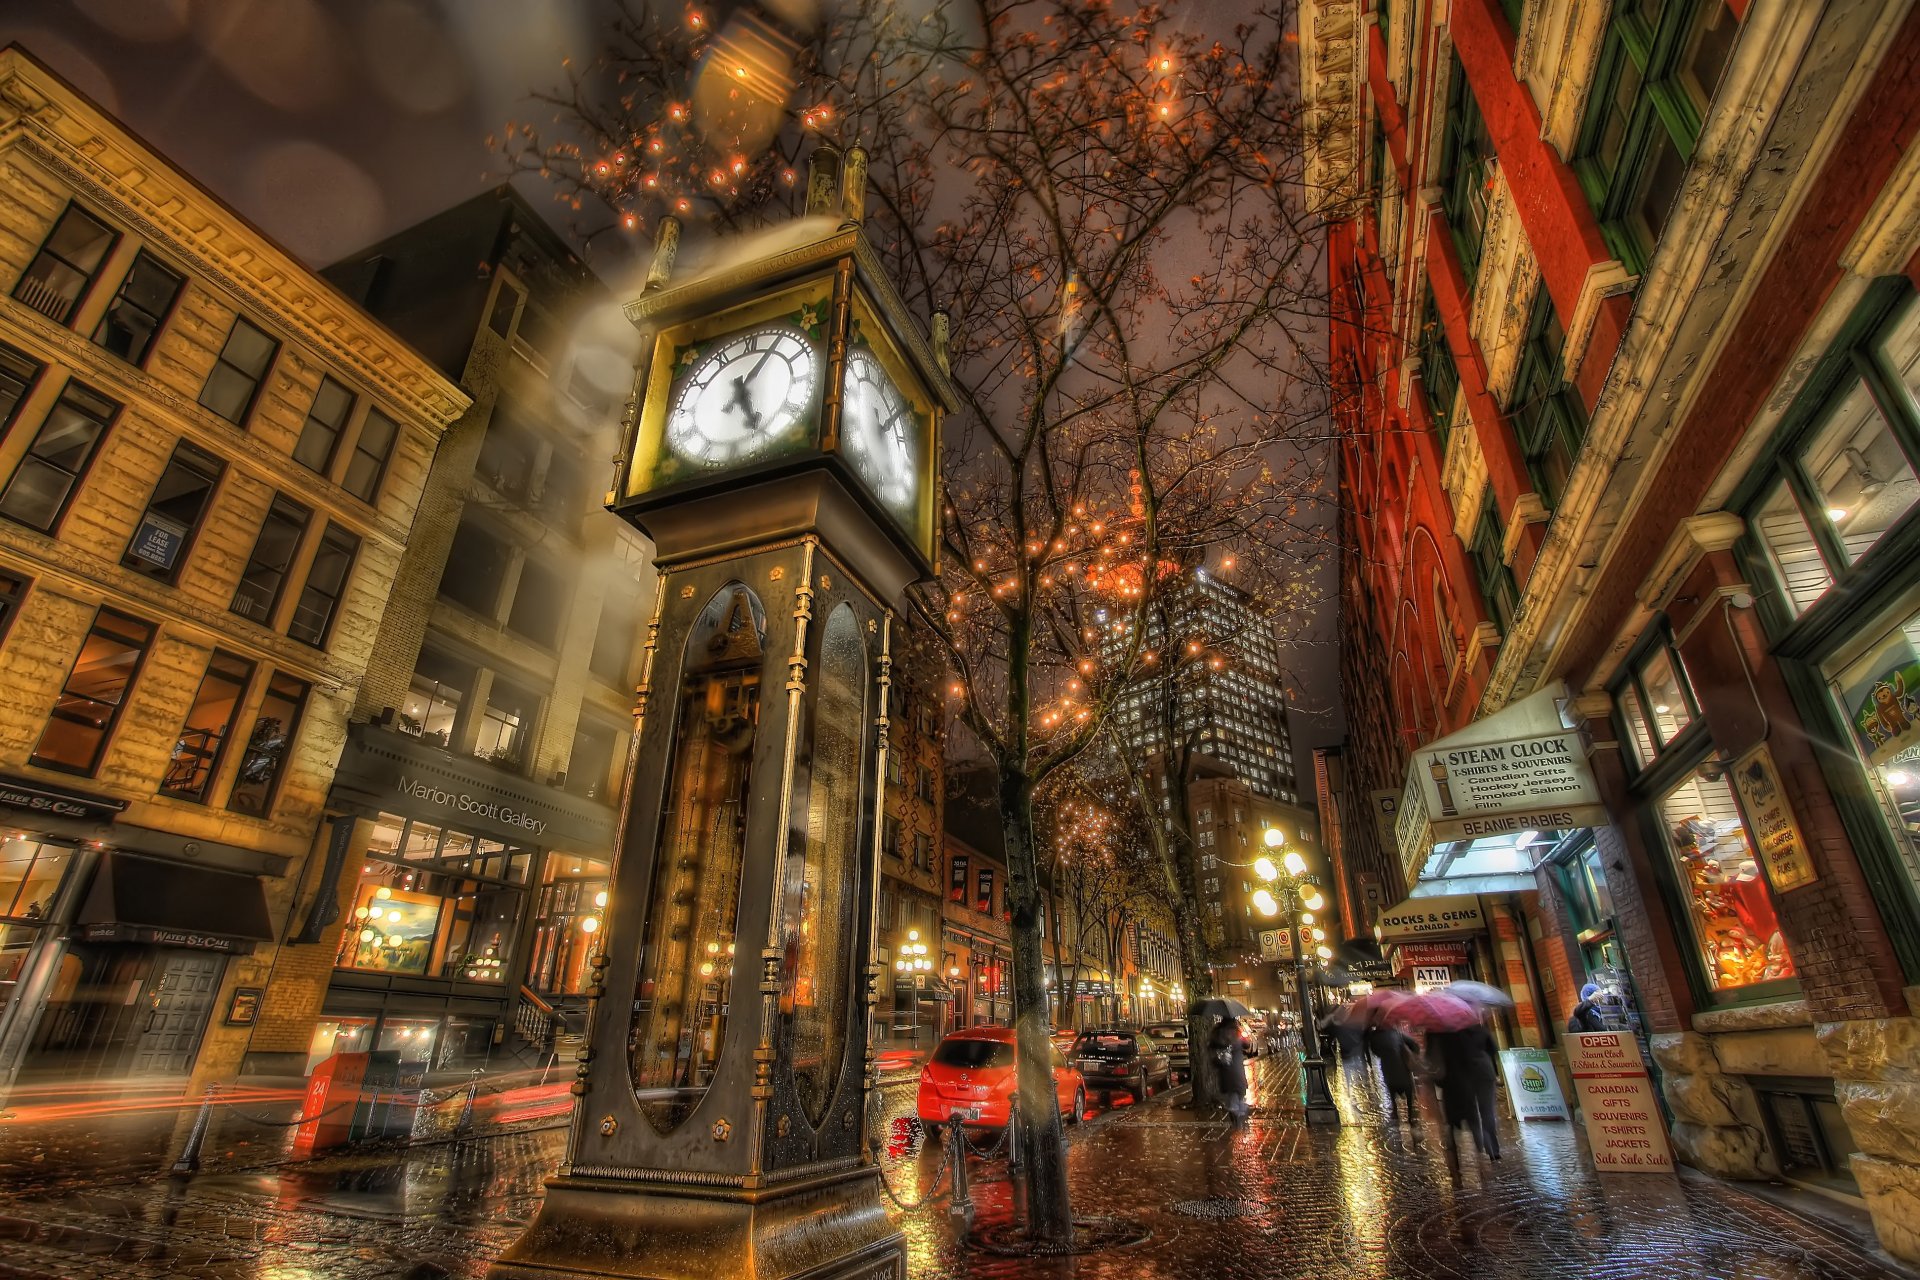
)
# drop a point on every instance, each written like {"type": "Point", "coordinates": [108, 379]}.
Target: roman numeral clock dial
{"type": "Point", "coordinates": [743, 396]}
{"type": "Point", "coordinates": [880, 441]}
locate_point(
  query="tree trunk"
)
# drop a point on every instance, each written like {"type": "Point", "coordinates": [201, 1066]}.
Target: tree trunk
{"type": "Point", "coordinates": [1049, 1210]}
{"type": "Point", "coordinates": [1194, 962]}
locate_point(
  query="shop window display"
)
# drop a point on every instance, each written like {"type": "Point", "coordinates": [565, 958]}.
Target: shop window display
{"type": "Point", "coordinates": [568, 910]}
{"type": "Point", "coordinates": [1878, 695]}
{"type": "Point", "coordinates": [1729, 904]}
{"type": "Point", "coordinates": [433, 903]}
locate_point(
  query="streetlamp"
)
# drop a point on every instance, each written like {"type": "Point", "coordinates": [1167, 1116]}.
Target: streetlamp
{"type": "Point", "coordinates": [912, 967]}
{"type": "Point", "coordinates": [1301, 901]}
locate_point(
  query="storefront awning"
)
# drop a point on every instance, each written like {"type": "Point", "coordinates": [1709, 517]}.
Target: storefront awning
{"type": "Point", "coordinates": [174, 898]}
{"type": "Point", "coordinates": [1480, 805]}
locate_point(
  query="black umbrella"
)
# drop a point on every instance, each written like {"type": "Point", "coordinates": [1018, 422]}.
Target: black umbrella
{"type": "Point", "coordinates": [1222, 1007]}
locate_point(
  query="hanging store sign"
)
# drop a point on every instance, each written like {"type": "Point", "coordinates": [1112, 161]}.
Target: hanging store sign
{"type": "Point", "coordinates": [38, 797]}
{"type": "Point", "coordinates": [1776, 834]}
{"type": "Point", "coordinates": [1427, 953]}
{"type": "Point", "coordinates": [1430, 918]}
{"type": "Point", "coordinates": [1624, 1129]}
{"type": "Point", "coordinates": [115, 932]}
{"type": "Point", "coordinates": [1537, 783]}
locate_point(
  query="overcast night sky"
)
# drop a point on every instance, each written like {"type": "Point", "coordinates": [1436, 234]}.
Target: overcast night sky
{"type": "Point", "coordinates": [330, 123]}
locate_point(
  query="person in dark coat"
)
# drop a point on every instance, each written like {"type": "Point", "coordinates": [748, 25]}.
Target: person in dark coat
{"type": "Point", "coordinates": [1586, 1014]}
{"type": "Point", "coordinates": [1227, 1050]}
{"type": "Point", "coordinates": [1395, 1051]}
{"type": "Point", "coordinates": [1469, 1064]}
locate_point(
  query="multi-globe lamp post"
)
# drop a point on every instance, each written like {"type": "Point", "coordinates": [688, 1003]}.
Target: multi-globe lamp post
{"type": "Point", "coordinates": [910, 968]}
{"type": "Point", "coordinates": [1297, 901]}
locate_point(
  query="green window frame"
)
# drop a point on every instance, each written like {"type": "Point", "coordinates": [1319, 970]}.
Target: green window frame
{"type": "Point", "coordinates": [1466, 160]}
{"type": "Point", "coordinates": [1488, 553]}
{"type": "Point", "coordinates": [1439, 374]}
{"type": "Point", "coordinates": [1658, 66]}
{"type": "Point", "coordinates": [1547, 414]}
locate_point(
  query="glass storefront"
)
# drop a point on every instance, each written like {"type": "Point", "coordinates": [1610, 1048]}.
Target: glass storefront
{"type": "Point", "coordinates": [31, 874]}
{"type": "Point", "coordinates": [1729, 905]}
{"type": "Point", "coordinates": [435, 903]}
{"type": "Point", "coordinates": [1878, 696]}
{"type": "Point", "coordinates": [568, 910]}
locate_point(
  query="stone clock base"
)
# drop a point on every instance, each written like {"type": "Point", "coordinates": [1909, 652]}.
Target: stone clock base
{"type": "Point", "coordinates": [824, 1228]}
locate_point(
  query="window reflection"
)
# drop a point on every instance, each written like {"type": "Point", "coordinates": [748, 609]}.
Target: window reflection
{"type": "Point", "coordinates": [1666, 696]}
{"type": "Point", "coordinates": [1796, 557]}
{"type": "Point", "coordinates": [685, 987]}
{"type": "Point", "coordinates": [1859, 473]}
{"type": "Point", "coordinates": [1878, 696]}
{"type": "Point", "coordinates": [569, 912]}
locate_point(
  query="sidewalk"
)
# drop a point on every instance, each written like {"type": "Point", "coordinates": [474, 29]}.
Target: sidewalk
{"type": "Point", "coordinates": [1277, 1200]}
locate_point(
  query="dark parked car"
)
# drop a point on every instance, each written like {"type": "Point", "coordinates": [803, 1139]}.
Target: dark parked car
{"type": "Point", "coordinates": [1121, 1058]}
{"type": "Point", "coordinates": [1172, 1036]}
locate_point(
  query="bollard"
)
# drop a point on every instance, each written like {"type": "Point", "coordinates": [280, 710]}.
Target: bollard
{"type": "Point", "coordinates": [189, 1161]}
{"type": "Point", "coordinates": [960, 1208]}
{"type": "Point", "coordinates": [1015, 1164]}
{"type": "Point", "coordinates": [465, 1124]}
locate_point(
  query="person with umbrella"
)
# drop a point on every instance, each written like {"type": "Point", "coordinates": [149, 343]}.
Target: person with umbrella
{"type": "Point", "coordinates": [1464, 1057]}
{"type": "Point", "coordinates": [1394, 1048]}
{"type": "Point", "coordinates": [1227, 1052]}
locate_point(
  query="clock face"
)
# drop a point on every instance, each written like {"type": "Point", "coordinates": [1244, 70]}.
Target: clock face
{"type": "Point", "coordinates": [879, 435]}
{"type": "Point", "coordinates": [742, 396]}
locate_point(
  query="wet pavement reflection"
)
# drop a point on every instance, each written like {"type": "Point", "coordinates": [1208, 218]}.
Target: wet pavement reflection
{"type": "Point", "coordinates": [1277, 1199]}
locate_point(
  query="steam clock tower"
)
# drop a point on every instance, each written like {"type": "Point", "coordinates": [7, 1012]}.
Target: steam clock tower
{"type": "Point", "coordinates": [780, 452]}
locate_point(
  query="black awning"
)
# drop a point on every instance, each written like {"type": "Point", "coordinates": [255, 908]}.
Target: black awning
{"type": "Point", "coordinates": [176, 897]}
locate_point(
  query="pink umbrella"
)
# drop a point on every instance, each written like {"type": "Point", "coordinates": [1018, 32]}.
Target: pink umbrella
{"type": "Point", "coordinates": [1435, 1011]}
{"type": "Point", "coordinates": [1381, 1001]}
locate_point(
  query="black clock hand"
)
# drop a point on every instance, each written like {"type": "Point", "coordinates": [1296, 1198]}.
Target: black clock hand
{"type": "Point", "coordinates": [745, 401]}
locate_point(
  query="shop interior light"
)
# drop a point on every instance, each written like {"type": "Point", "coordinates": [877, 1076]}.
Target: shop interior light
{"type": "Point", "coordinates": [1899, 778]}
{"type": "Point", "coordinates": [1836, 514]}
{"type": "Point", "coordinates": [600, 898]}
{"type": "Point", "coordinates": [590, 924]}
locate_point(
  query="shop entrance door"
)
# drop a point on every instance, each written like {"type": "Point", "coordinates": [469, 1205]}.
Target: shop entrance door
{"type": "Point", "coordinates": [179, 1002]}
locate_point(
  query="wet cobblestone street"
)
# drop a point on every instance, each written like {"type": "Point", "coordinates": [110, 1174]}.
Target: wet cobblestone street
{"type": "Point", "coordinates": [1277, 1200]}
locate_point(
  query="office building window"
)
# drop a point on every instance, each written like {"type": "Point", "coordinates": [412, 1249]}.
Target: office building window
{"type": "Point", "coordinates": [47, 478]}
{"type": "Point", "coordinates": [238, 372]}
{"type": "Point", "coordinates": [1658, 67]}
{"type": "Point", "coordinates": [196, 754]}
{"type": "Point", "coordinates": [59, 275]}
{"type": "Point", "coordinates": [166, 529]}
{"type": "Point", "coordinates": [923, 782]}
{"type": "Point", "coordinates": [434, 697]}
{"type": "Point", "coordinates": [1547, 414]}
{"type": "Point", "coordinates": [12, 588]}
{"type": "Point", "coordinates": [1467, 163]}
{"type": "Point", "coordinates": [370, 453]}
{"type": "Point", "coordinates": [1654, 699]}
{"type": "Point", "coordinates": [326, 583]}
{"type": "Point", "coordinates": [95, 692]}
{"type": "Point", "coordinates": [1488, 553]}
{"type": "Point", "coordinates": [612, 658]}
{"type": "Point", "coordinates": [539, 602]}
{"type": "Point", "coordinates": [134, 317]}
{"type": "Point", "coordinates": [1438, 373]}
{"type": "Point", "coordinates": [268, 746]}
{"type": "Point", "coordinates": [922, 850]}
{"type": "Point", "coordinates": [476, 563]}
{"type": "Point", "coordinates": [272, 560]}
{"type": "Point", "coordinates": [17, 374]}
{"type": "Point", "coordinates": [326, 421]}
{"type": "Point", "coordinates": [590, 766]}
{"type": "Point", "coordinates": [504, 725]}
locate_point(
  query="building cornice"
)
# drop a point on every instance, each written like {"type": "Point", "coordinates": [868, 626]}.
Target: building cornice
{"type": "Point", "coordinates": [63, 131]}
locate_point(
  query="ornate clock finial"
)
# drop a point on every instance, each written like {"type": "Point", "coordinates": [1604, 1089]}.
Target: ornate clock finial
{"type": "Point", "coordinates": [942, 328]}
{"type": "Point", "coordinates": [666, 245]}
{"type": "Point", "coordinates": [823, 171]}
{"type": "Point", "coordinates": [853, 186]}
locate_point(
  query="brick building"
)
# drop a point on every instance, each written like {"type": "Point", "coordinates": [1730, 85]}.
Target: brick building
{"type": "Point", "coordinates": [212, 461]}
{"type": "Point", "coordinates": [913, 885]}
{"type": "Point", "coordinates": [459, 887]}
{"type": "Point", "coordinates": [1625, 334]}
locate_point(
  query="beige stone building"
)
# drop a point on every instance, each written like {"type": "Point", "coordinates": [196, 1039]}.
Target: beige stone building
{"type": "Point", "coordinates": [457, 890]}
{"type": "Point", "coordinates": [209, 463]}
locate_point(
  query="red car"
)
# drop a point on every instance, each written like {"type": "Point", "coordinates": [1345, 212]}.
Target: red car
{"type": "Point", "coordinates": [971, 1075]}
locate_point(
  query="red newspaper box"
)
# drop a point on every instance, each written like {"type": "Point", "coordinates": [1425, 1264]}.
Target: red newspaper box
{"type": "Point", "coordinates": [333, 1090]}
